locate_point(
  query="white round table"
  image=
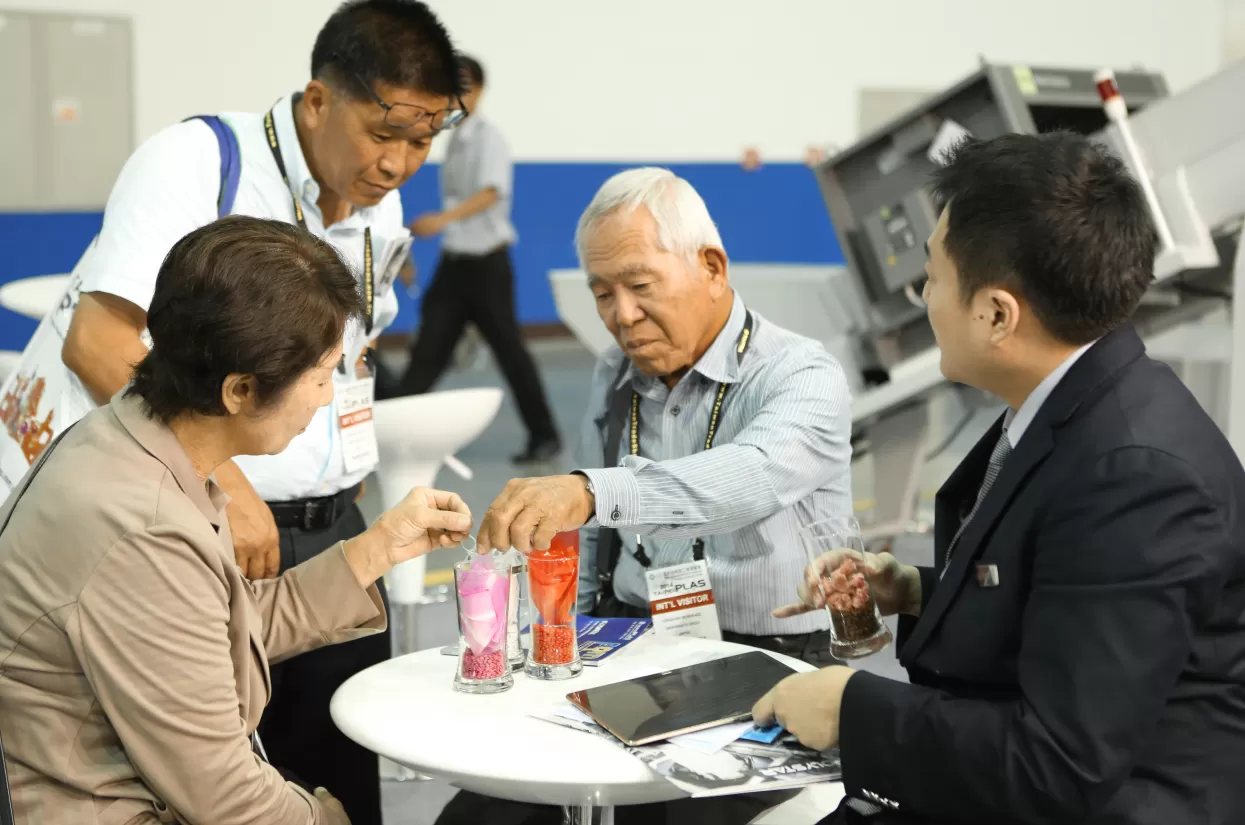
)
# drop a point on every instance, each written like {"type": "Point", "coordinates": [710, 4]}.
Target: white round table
{"type": "Point", "coordinates": [33, 297]}
{"type": "Point", "coordinates": [407, 710]}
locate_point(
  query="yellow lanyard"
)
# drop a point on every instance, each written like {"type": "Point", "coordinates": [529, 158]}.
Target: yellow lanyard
{"type": "Point", "coordinates": [368, 271]}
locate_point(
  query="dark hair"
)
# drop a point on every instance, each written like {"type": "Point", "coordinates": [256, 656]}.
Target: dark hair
{"type": "Point", "coordinates": [471, 67]}
{"type": "Point", "coordinates": [241, 295]}
{"type": "Point", "coordinates": [1055, 217]}
{"type": "Point", "coordinates": [398, 42]}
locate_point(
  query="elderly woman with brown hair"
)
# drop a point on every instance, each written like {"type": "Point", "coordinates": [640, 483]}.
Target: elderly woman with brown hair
{"type": "Point", "coordinates": [133, 652]}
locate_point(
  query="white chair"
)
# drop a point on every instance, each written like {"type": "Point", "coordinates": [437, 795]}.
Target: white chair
{"type": "Point", "coordinates": [9, 361]}
{"type": "Point", "coordinates": [34, 297]}
{"type": "Point", "coordinates": [416, 435]}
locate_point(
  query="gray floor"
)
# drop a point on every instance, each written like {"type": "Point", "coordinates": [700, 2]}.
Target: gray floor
{"type": "Point", "coordinates": [567, 368]}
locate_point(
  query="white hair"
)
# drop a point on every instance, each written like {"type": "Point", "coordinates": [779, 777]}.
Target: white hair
{"type": "Point", "coordinates": [684, 226]}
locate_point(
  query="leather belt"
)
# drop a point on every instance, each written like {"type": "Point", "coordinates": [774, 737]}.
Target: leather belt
{"type": "Point", "coordinates": [314, 513]}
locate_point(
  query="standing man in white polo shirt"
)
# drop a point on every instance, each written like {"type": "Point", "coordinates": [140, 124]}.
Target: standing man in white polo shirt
{"type": "Point", "coordinates": [384, 82]}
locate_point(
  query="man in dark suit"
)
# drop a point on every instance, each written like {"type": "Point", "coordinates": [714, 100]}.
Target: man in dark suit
{"type": "Point", "coordinates": [1077, 654]}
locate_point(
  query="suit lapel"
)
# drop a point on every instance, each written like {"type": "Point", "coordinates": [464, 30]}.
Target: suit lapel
{"type": "Point", "coordinates": [961, 487]}
{"type": "Point", "coordinates": [1085, 381]}
{"type": "Point", "coordinates": [1031, 452]}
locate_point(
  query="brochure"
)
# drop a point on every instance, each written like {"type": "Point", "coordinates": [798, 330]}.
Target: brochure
{"type": "Point", "coordinates": [740, 767]}
{"type": "Point", "coordinates": [601, 638]}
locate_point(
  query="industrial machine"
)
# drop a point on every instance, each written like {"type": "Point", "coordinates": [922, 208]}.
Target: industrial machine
{"type": "Point", "coordinates": [876, 190]}
{"type": "Point", "coordinates": [1187, 151]}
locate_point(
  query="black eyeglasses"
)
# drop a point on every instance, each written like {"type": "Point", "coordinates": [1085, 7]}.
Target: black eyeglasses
{"type": "Point", "coordinates": [406, 115]}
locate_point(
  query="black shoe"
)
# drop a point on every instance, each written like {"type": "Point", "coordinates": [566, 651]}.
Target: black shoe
{"type": "Point", "coordinates": [538, 452]}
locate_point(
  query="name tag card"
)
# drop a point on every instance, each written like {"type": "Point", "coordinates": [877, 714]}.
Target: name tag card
{"type": "Point", "coordinates": [358, 431]}
{"type": "Point", "coordinates": [681, 601]}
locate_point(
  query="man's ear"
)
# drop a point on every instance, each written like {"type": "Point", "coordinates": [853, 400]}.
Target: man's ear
{"type": "Point", "coordinates": [239, 393]}
{"type": "Point", "coordinates": [1004, 313]}
{"type": "Point", "coordinates": [317, 98]}
{"type": "Point", "coordinates": [714, 264]}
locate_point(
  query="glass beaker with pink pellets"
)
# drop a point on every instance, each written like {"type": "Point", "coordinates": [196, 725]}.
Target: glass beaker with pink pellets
{"type": "Point", "coordinates": [482, 589]}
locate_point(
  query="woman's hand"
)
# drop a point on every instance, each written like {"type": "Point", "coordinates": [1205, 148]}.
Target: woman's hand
{"type": "Point", "coordinates": [896, 587]}
{"type": "Point", "coordinates": [423, 521]}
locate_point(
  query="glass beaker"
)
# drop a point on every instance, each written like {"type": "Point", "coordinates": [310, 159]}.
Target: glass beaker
{"type": "Point", "coordinates": [482, 589]}
{"type": "Point", "coordinates": [856, 627]}
{"type": "Point", "coordinates": [553, 585]}
{"type": "Point", "coordinates": [514, 643]}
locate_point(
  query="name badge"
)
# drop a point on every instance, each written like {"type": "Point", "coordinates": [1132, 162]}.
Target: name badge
{"type": "Point", "coordinates": [681, 601]}
{"type": "Point", "coordinates": [353, 403]}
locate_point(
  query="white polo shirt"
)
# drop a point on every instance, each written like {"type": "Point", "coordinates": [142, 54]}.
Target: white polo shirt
{"type": "Point", "coordinates": [169, 187]}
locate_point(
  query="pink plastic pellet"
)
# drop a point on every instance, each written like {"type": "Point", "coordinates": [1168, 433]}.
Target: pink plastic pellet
{"type": "Point", "coordinates": [484, 665]}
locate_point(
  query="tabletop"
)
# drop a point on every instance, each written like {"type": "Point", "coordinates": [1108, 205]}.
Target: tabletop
{"type": "Point", "coordinates": [33, 297]}
{"type": "Point", "coordinates": [407, 710]}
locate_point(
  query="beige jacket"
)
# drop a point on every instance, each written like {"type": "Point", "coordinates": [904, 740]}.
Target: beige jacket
{"type": "Point", "coordinates": [133, 652]}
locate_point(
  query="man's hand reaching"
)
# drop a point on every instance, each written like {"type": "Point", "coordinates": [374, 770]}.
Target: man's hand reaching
{"type": "Point", "coordinates": [256, 542]}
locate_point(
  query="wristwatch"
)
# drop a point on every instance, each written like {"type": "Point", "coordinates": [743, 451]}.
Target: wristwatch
{"type": "Point", "coordinates": [592, 491]}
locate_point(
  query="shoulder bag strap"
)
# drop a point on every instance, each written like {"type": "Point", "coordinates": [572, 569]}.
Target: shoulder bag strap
{"type": "Point", "coordinates": [230, 162]}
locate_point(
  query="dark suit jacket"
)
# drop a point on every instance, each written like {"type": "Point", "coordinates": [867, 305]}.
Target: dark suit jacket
{"type": "Point", "coordinates": [1103, 679]}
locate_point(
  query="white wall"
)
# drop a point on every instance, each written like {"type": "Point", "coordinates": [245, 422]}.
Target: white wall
{"type": "Point", "coordinates": [666, 80]}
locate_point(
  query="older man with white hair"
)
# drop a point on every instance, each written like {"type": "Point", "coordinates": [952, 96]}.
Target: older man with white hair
{"type": "Point", "coordinates": [712, 435]}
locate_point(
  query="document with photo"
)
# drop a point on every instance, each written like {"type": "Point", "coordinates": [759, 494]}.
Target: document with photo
{"type": "Point", "coordinates": [740, 767]}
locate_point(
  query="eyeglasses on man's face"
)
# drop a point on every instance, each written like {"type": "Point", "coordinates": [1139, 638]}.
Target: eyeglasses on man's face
{"type": "Point", "coordinates": [406, 115]}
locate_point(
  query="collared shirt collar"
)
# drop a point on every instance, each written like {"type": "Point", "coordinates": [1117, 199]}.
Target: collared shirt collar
{"type": "Point", "coordinates": [1017, 421]}
{"type": "Point", "coordinates": [296, 167]}
{"type": "Point", "coordinates": [719, 363]}
{"type": "Point", "coordinates": [157, 439]}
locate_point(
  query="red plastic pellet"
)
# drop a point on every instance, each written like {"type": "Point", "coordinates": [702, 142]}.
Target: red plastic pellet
{"type": "Point", "coordinates": [484, 665]}
{"type": "Point", "coordinates": [553, 645]}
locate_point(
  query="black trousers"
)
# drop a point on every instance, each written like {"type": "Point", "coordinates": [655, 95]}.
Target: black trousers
{"type": "Point", "coordinates": [298, 733]}
{"type": "Point", "coordinates": [480, 290]}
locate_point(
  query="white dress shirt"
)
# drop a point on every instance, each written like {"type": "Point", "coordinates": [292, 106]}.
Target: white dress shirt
{"type": "Point", "coordinates": [1015, 422]}
{"type": "Point", "coordinates": [169, 187]}
{"type": "Point", "coordinates": [781, 460]}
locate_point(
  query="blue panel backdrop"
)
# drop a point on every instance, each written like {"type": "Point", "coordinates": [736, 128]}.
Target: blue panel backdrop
{"type": "Point", "coordinates": [775, 214]}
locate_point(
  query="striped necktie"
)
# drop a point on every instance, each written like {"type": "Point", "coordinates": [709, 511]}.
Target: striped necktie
{"type": "Point", "coordinates": [1002, 449]}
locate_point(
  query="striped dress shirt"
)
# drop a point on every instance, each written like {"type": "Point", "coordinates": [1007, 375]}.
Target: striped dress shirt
{"type": "Point", "coordinates": [781, 460]}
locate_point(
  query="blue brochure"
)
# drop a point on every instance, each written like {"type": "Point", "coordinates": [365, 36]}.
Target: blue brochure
{"type": "Point", "coordinates": [602, 638]}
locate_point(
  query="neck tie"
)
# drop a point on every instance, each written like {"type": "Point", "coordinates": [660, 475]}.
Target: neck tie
{"type": "Point", "coordinates": [1002, 449]}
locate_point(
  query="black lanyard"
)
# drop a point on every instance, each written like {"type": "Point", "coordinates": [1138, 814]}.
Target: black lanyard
{"type": "Point", "coordinates": [741, 346]}
{"type": "Point", "coordinates": [368, 274]}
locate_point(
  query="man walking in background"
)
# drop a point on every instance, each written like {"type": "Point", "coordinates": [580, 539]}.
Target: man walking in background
{"type": "Point", "coordinates": [474, 280]}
